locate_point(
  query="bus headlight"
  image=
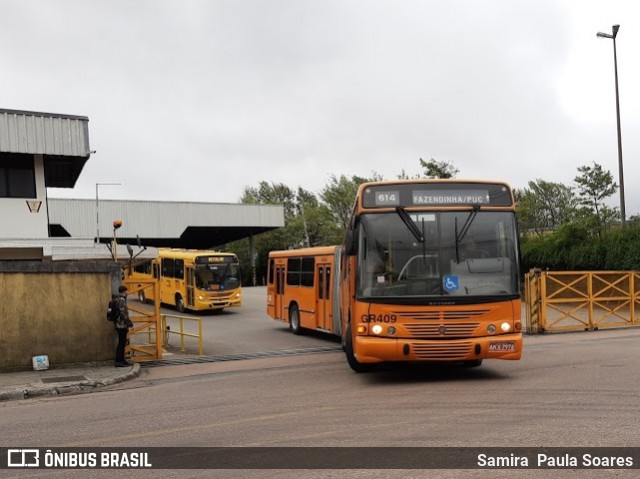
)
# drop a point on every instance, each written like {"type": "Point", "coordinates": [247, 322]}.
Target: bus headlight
{"type": "Point", "coordinates": [391, 330]}
{"type": "Point", "coordinates": [376, 329]}
{"type": "Point", "coordinates": [201, 298]}
{"type": "Point", "coordinates": [506, 327]}
{"type": "Point", "coordinates": [491, 329]}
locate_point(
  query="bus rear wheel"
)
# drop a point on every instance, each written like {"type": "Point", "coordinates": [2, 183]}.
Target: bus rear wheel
{"type": "Point", "coordinates": [294, 320]}
{"type": "Point", "coordinates": [356, 365]}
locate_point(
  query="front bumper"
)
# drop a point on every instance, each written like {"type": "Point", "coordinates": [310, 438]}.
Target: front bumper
{"type": "Point", "coordinates": [370, 349]}
{"type": "Point", "coordinates": [218, 303]}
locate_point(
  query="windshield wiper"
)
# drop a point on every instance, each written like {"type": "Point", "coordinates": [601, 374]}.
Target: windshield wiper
{"type": "Point", "coordinates": [465, 229]}
{"type": "Point", "coordinates": [406, 219]}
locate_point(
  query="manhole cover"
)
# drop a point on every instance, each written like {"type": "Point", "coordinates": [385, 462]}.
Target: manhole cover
{"type": "Point", "coordinates": [63, 379]}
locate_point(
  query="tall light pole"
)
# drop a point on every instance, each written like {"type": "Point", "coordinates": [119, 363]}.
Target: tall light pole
{"type": "Point", "coordinates": [620, 169]}
{"type": "Point", "coordinates": [98, 210]}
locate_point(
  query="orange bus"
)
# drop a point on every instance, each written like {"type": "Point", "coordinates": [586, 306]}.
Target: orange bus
{"type": "Point", "coordinates": [301, 286]}
{"type": "Point", "coordinates": [429, 271]}
{"type": "Point", "coordinates": [193, 280]}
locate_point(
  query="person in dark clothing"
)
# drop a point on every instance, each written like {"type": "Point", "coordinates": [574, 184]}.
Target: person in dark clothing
{"type": "Point", "coordinates": [471, 250]}
{"type": "Point", "coordinates": [122, 325]}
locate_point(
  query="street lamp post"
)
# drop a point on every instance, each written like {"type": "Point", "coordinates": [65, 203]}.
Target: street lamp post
{"type": "Point", "coordinates": [620, 169]}
{"type": "Point", "coordinates": [98, 210]}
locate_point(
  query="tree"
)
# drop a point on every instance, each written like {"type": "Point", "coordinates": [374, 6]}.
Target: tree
{"type": "Point", "coordinates": [438, 169]}
{"type": "Point", "coordinates": [271, 194]}
{"type": "Point", "coordinates": [307, 222]}
{"type": "Point", "coordinates": [594, 186]}
{"type": "Point", "coordinates": [545, 205]}
{"type": "Point", "coordinates": [404, 176]}
{"type": "Point", "coordinates": [340, 196]}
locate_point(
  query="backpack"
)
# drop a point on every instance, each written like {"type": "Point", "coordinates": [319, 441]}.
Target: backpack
{"type": "Point", "coordinates": [113, 310]}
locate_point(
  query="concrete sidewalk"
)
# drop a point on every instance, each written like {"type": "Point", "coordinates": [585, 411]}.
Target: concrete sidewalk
{"type": "Point", "coordinates": [67, 380]}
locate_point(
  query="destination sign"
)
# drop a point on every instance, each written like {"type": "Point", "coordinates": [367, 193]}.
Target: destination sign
{"type": "Point", "coordinates": [216, 259]}
{"type": "Point", "coordinates": [436, 194]}
{"type": "Point", "coordinates": [450, 197]}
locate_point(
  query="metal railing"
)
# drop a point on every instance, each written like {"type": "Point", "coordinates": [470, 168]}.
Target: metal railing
{"type": "Point", "coordinates": [145, 322]}
{"type": "Point", "coordinates": [581, 300]}
{"type": "Point", "coordinates": [167, 331]}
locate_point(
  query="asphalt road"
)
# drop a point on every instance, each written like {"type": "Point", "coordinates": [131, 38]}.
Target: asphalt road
{"type": "Point", "coordinates": [576, 389]}
{"type": "Point", "coordinates": [241, 330]}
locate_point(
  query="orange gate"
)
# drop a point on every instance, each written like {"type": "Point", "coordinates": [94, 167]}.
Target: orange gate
{"type": "Point", "coordinates": [145, 339]}
{"type": "Point", "coordinates": [581, 300]}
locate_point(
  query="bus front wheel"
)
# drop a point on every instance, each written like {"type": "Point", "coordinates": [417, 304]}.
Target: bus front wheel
{"type": "Point", "coordinates": [294, 320]}
{"type": "Point", "coordinates": [472, 363]}
{"type": "Point", "coordinates": [179, 304]}
{"type": "Point", "coordinates": [356, 365]}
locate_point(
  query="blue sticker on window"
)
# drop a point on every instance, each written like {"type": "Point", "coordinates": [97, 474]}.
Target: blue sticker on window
{"type": "Point", "coordinates": [450, 283]}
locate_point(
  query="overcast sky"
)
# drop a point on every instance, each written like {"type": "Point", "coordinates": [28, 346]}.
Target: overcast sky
{"type": "Point", "coordinates": [193, 100]}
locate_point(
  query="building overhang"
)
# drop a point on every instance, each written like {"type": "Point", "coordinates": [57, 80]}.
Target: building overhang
{"type": "Point", "coordinates": [62, 140]}
{"type": "Point", "coordinates": [162, 223]}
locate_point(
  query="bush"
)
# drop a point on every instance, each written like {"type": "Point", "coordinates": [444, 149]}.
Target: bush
{"type": "Point", "coordinates": [573, 247]}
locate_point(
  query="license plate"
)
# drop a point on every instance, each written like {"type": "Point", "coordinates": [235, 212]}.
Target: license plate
{"type": "Point", "coordinates": [502, 346]}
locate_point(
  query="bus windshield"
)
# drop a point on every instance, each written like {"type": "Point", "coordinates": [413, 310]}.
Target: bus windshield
{"type": "Point", "coordinates": [412, 256]}
{"type": "Point", "coordinates": [213, 277]}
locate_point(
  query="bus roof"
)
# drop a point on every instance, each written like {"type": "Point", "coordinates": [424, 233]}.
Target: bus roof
{"type": "Point", "coordinates": [431, 180]}
{"type": "Point", "coordinates": [314, 251]}
{"type": "Point", "coordinates": [189, 253]}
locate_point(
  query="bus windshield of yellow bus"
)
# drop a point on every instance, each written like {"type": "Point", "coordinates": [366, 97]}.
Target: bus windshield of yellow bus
{"type": "Point", "coordinates": [217, 273]}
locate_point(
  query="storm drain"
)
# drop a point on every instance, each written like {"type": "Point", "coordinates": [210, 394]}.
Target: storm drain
{"type": "Point", "coordinates": [63, 379]}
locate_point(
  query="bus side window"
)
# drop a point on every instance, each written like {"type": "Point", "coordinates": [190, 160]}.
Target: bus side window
{"type": "Point", "coordinates": [179, 269]}
{"type": "Point", "coordinates": [168, 267]}
{"type": "Point", "coordinates": [293, 271]}
{"type": "Point", "coordinates": [271, 271]}
{"type": "Point", "coordinates": [307, 272]}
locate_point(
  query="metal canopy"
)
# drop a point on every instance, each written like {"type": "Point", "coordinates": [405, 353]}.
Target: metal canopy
{"type": "Point", "coordinates": [162, 223]}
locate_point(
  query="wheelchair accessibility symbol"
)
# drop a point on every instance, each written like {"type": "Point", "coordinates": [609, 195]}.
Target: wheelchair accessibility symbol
{"type": "Point", "coordinates": [450, 283]}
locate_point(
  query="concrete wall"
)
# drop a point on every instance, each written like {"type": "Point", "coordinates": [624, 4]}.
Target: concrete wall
{"type": "Point", "coordinates": [57, 309]}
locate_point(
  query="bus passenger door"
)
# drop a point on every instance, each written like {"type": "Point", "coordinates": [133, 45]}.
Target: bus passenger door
{"type": "Point", "coordinates": [323, 295]}
{"type": "Point", "coordinates": [279, 293]}
{"type": "Point", "coordinates": [191, 282]}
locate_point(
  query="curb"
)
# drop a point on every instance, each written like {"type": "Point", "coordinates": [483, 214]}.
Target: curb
{"type": "Point", "coordinates": [75, 388]}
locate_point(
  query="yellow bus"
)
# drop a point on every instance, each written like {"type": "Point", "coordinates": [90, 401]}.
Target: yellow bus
{"type": "Point", "coordinates": [301, 288]}
{"type": "Point", "coordinates": [194, 280]}
{"type": "Point", "coordinates": [428, 271]}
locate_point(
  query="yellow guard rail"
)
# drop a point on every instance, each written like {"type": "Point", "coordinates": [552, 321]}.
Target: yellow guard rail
{"type": "Point", "coordinates": [581, 300]}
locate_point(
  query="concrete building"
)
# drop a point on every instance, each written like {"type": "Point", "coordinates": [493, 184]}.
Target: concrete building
{"type": "Point", "coordinates": [37, 150]}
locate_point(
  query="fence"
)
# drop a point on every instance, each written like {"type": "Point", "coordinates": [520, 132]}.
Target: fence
{"type": "Point", "coordinates": [181, 333]}
{"type": "Point", "coordinates": [581, 300]}
{"type": "Point", "coordinates": [146, 324]}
